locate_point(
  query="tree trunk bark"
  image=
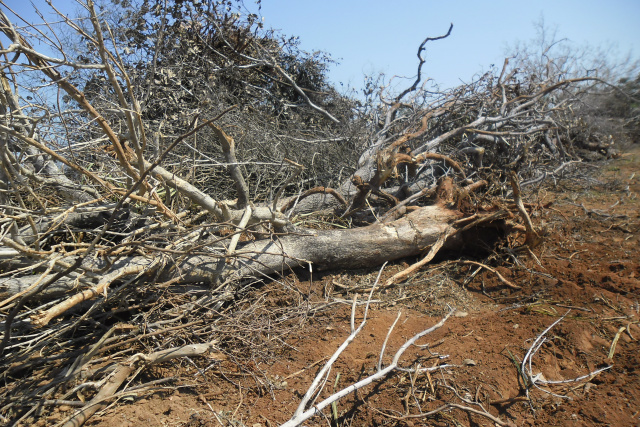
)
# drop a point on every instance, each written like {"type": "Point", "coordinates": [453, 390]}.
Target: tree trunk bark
{"type": "Point", "coordinates": [323, 249]}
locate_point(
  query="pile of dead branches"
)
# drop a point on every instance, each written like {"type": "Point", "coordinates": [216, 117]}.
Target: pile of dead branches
{"type": "Point", "coordinates": [112, 233]}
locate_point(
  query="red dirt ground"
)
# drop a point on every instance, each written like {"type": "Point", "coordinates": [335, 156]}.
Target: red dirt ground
{"type": "Point", "coordinates": [589, 267]}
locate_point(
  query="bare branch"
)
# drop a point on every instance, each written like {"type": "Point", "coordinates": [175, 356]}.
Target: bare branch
{"type": "Point", "coordinates": [421, 62]}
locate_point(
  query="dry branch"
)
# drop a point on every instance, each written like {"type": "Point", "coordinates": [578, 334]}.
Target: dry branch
{"type": "Point", "coordinates": [124, 371]}
{"type": "Point", "coordinates": [302, 414]}
{"type": "Point", "coordinates": [450, 231]}
{"type": "Point", "coordinates": [43, 319]}
{"type": "Point", "coordinates": [494, 271]}
{"type": "Point", "coordinates": [229, 150]}
{"type": "Point", "coordinates": [532, 238]}
{"type": "Point", "coordinates": [526, 367]}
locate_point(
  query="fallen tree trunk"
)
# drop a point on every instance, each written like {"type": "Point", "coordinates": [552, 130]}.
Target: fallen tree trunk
{"type": "Point", "coordinates": [344, 249]}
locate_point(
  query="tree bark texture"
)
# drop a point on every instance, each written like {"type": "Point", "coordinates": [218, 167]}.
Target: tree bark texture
{"type": "Point", "coordinates": [323, 249]}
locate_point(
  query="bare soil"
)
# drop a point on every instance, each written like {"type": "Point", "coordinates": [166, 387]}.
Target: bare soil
{"type": "Point", "coordinates": [588, 268]}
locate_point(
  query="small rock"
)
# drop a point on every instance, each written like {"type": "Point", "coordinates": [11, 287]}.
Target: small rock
{"type": "Point", "coordinates": [461, 314]}
{"type": "Point", "coordinates": [469, 362]}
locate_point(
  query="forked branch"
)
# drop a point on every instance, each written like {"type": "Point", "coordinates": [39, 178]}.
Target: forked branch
{"type": "Point", "coordinates": [304, 412]}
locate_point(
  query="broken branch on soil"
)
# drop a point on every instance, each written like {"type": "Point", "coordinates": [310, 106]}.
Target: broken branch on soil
{"type": "Point", "coordinates": [526, 366]}
{"type": "Point", "coordinates": [532, 238]}
{"type": "Point", "coordinates": [493, 270]}
{"type": "Point", "coordinates": [124, 370]}
{"type": "Point", "coordinates": [445, 407]}
{"type": "Point", "coordinates": [302, 414]}
{"type": "Point", "coordinates": [450, 231]}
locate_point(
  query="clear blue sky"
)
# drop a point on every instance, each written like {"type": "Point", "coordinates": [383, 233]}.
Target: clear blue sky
{"type": "Point", "coordinates": [371, 36]}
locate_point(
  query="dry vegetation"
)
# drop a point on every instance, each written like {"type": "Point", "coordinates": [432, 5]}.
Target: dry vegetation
{"type": "Point", "coordinates": [181, 192]}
